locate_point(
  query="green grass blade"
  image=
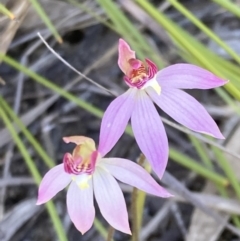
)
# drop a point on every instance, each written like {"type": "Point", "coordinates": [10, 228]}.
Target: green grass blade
{"type": "Point", "coordinates": [38, 8]}
{"type": "Point", "coordinates": [48, 161]}
{"type": "Point", "coordinates": [94, 15]}
{"type": "Point", "coordinates": [189, 163]}
{"type": "Point", "coordinates": [181, 40]}
{"type": "Point", "coordinates": [201, 149]}
{"type": "Point", "coordinates": [205, 29]}
{"type": "Point", "coordinates": [6, 12]}
{"type": "Point", "coordinates": [129, 31]}
{"type": "Point", "coordinates": [230, 6]}
{"type": "Point", "coordinates": [228, 170]}
{"type": "Point", "coordinates": [36, 175]}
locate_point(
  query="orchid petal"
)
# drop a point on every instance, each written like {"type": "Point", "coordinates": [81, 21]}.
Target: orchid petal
{"type": "Point", "coordinates": [186, 110]}
{"type": "Point", "coordinates": [80, 206]}
{"type": "Point", "coordinates": [150, 134]}
{"type": "Point", "coordinates": [55, 180]}
{"type": "Point", "coordinates": [124, 55]}
{"type": "Point", "coordinates": [129, 172]}
{"type": "Point", "coordinates": [115, 120]}
{"type": "Point", "coordinates": [188, 76]}
{"type": "Point", "coordinates": [110, 200]}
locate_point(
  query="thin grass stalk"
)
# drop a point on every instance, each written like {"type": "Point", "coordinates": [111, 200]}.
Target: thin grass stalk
{"type": "Point", "coordinates": [228, 170]}
{"type": "Point", "coordinates": [230, 6]}
{"type": "Point", "coordinates": [129, 31]}
{"type": "Point", "coordinates": [223, 192]}
{"type": "Point", "coordinates": [201, 150]}
{"type": "Point", "coordinates": [101, 229]}
{"type": "Point", "coordinates": [200, 147]}
{"type": "Point", "coordinates": [6, 12]}
{"type": "Point", "coordinates": [205, 29]}
{"type": "Point", "coordinates": [38, 8]}
{"type": "Point", "coordinates": [36, 175]}
{"type": "Point", "coordinates": [37, 146]}
{"type": "Point", "coordinates": [94, 15]}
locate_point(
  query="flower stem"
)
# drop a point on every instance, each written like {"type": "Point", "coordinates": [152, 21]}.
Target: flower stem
{"type": "Point", "coordinates": [135, 229]}
{"type": "Point", "coordinates": [110, 233]}
{"type": "Point", "coordinates": [134, 208]}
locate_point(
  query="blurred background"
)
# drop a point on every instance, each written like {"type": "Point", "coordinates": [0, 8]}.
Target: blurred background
{"type": "Point", "coordinates": [43, 100]}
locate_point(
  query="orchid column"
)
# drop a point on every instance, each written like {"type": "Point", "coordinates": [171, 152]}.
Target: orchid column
{"type": "Point", "coordinates": [88, 174]}
{"type": "Point", "coordinates": [147, 86]}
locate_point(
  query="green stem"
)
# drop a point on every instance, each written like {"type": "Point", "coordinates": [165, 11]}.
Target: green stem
{"type": "Point", "coordinates": [36, 175]}
{"type": "Point", "coordinates": [136, 214]}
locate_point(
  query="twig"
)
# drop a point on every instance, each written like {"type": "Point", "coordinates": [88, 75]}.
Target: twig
{"type": "Point", "coordinates": [152, 225]}
{"type": "Point", "coordinates": [33, 114]}
{"type": "Point", "coordinates": [181, 190]}
{"type": "Point", "coordinates": [72, 68]}
{"type": "Point", "coordinates": [2, 82]}
{"type": "Point", "coordinates": [200, 137]}
{"type": "Point", "coordinates": [20, 10]}
{"type": "Point", "coordinates": [16, 181]}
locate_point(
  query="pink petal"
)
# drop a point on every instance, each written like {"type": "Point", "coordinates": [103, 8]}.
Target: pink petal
{"type": "Point", "coordinates": [129, 172]}
{"type": "Point", "coordinates": [150, 133]}
{"type": "Point", "coordinates": [124, 55]}
{"type": "Point", "coordinates": [55, 180]}
{"type": "Point", "coordinates": [188, 76]}
{"type": "Point", "coordinates": [80, 206]}
{"type": "Point", "coordinates": [186, 110]}
{"type": "Point", "coordinates": [115, 120]}
{"type": "Point", "coordinates": [110, 200]}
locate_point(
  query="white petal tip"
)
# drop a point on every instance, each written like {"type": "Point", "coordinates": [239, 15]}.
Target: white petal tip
{"type": "Point", "coordinates": [82, 231]}
{"type": "Point", "coordinates": [39, 202]}
{"type": "Point", "coordinates": [128, 232]}
{"type": "Point", "coordinates": [226, 81]}
{"type": "Point", "coordinates": [219, 136]}
{"type": "Point", "coordinates": [222, 82]}
{"type": "Point", "coordinates": [168, 195]}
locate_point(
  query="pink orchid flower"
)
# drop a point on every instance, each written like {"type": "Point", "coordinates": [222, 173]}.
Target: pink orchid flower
{"type": "Point", "coordinates": [88, 172]}
{"type": "Point", "coordinates": [149, 86]}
